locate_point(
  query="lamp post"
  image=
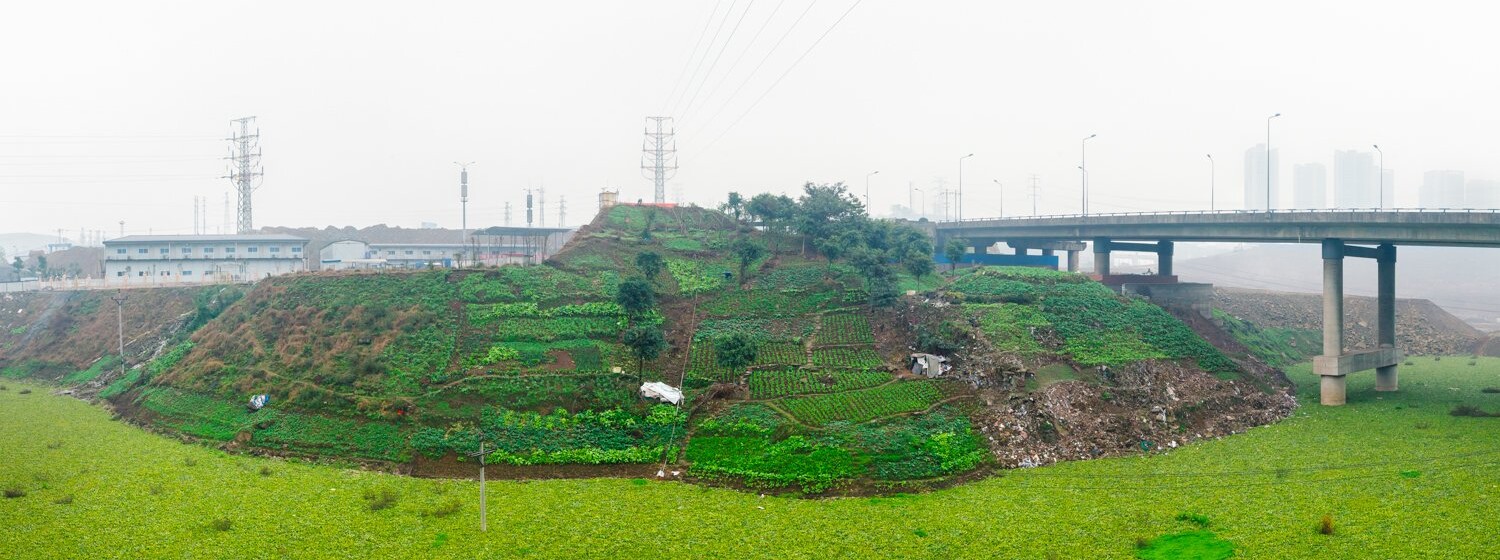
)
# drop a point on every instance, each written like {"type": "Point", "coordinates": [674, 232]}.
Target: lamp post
{"type": "Point", "coordinates": [1083, 167]}
{"type": "Point", "coordinates": [1382, 175]}
{"type": "Point", "coordinates": [1211, 192]}
{"type": "Point", "coordinates": [867, 189]}
{"type": "Point", "coordinates": [1002, 196]}
{"type": "Point", "coordinates": [463, 197]}
{"type": "Point", "coordinates": [924, 200]}
{"type": "Point", "coordinates": [1268, 161]}
{"type": "Point", "coordinates": [961, 186]}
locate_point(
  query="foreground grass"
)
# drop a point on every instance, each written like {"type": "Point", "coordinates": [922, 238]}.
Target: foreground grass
{"type": "Point", "coordinates": [1398, 475]}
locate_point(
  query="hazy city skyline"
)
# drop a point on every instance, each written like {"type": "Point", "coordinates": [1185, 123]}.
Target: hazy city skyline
{"type": "Point", "coordinates": [119, 112]}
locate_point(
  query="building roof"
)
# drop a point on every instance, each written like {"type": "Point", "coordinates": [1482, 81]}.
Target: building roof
{"type": "Point", "coordinates": [520, 231]}
{"type": "Point", "coordinates": [248, 238]}
{"type": "Point", "coordinates": [419, 245]}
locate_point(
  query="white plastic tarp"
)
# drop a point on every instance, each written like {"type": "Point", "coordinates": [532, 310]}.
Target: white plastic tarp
{"type": "Point", "coordinates": [662, 392]}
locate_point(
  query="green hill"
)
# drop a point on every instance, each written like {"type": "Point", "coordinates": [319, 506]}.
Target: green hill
{"type": "Point", "coordinates": [411, 367]}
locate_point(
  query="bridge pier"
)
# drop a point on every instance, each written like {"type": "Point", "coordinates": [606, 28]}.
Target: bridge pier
{"type": "Point", "coordinates": [1164, 250]}
{"type": "Point", "coordinates": [1072, 260]}
{"type": "Point", "coordinates": [1335, 364]}
{"type": "Point", "coordinates": [1101, 256]}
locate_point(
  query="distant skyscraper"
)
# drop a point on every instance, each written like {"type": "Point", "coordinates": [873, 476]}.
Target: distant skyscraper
{"type": "Point", "coordinates": [1255, 178]}
{"type": "Point", "coordinates": [1309, 186]}
{"type": "Point", "coordinates": [1442, 189]}
{"type": "Point", "coordinates": [1482, 194]}
{"type": "Point", "coordinates": [1356, 180]}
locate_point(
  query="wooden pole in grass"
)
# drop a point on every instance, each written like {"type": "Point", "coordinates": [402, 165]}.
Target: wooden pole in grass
{"type": "Point", "coordinates": [484, 524]}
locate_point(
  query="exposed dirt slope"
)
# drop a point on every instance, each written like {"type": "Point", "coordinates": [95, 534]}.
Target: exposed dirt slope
{"type": "Point", "coordinates": [1421, 326]}
{"type": "Point", "coordinates": [51, 334]}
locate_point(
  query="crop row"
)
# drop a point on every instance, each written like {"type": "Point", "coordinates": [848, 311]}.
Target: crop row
{"type": "Point", "coordinates": [847, 358]}
{"type": "Point", "coordinates": [772, 384]}
{"type": "Point", "coordinates": [694, 277]}
{"type": "Point", "coordinates": [844, 328]}
{"type": "Point", "coordinates": [1011, 327]}
{"type": "Point", "coordinates": [702, 365]}
{"type": "Point", "coordinates": [557, 328]}
{"type": "Point", "coordinates": [762, 329]}
{"type": "Point", "coordinates": [484, 313]}
{"type": "Point", "coordinates": [866, 404]}
{"type": "Point", "coordinates": [770, 303]}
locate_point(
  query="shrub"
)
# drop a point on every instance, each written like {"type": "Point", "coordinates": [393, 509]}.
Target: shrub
{"type": "Point", "coordinates": [189, 462]}
{"type": "Point", "coordinates": [63, 500]}
{"type": "Point", "coordinates": [14, 492]}
{"type": "Point", "coordinates": [24, 392]}
{"type": "Point", "coordinates": [266, 471]}
{"type": "Point", "coordinates": [221, 524]}
{"type": "Point", "coordinates": [1195, 518]}
{"type": "Point", "coordinates": [54, 445]}
{"type": "Point", "coordinates": [154, 489]}
{"type": "Point", "coordinates": [1325, 526]}
{"type": "Point", "coordinates": [4, 388]}
{"type": "Point", "coordinates": [379, 499]}
{"type": "Point", "coordinates": [1472, 411]}
{"type": "Point", "coordinates": [1490, 390]}
{"type": "Point", "coordinates": [447, 508]}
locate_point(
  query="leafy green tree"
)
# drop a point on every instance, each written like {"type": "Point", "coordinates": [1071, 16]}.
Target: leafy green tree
{"type": "Point", "coordinates": [41, 264]}
{"type": "Point", "coordinates": [955, 250]}
{"type": "Point", "coordinates": [775, 212]}
{"type": "Point", "coordinates": [825, 210]}
{"type": "Point", "coordinates": [735, 351]}
{"type": "Point", "coordinates": [882, 290]}
{"type": "Point", "coordinates": [18, 265]}
{"type": "Point", "coordinates": [646, 343]}
{"type": "Point", "coordinates": [635, 296]}
{"type": "Point", "coordinates": [735, 205]}
{"type": "Point", "coordinates": [650, 264]}
{"type": "Point", "coordinates": [747, 252]}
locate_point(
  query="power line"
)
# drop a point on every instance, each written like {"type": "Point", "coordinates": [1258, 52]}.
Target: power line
{"type": "Point", "coordinates": [783, 75]}
{"type": "Point", "coordinates": [736, 64]}
{"type": "Point", "coordinates": [715, 64]}
{"type": "Point", "coordinates": [711, 42]}
{"type": "Point", "coordinates": [692, 55]}
{"type": "Point", "coordinates": [755, 70]}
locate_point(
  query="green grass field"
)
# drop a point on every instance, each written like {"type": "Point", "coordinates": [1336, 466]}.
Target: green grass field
{"type": "Point", "coordinates": [1399, 476]}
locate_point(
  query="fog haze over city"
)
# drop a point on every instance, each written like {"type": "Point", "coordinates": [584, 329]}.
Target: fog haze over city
{"type": "Point", "coordinates": [119, 112]}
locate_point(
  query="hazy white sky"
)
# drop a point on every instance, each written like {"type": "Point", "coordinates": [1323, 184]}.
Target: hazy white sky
{"type": "Point", "coordinates": [116, 110]}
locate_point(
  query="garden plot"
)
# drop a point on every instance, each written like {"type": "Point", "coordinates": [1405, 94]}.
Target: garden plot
{"type": "Point", "coordinates": [864, 405]}
{"type": "Point", "coordinates": [770, 384]}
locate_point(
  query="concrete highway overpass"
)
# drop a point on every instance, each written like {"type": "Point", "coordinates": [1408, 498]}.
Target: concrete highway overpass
{"type": "Point", "coordinates": [1369, 233]}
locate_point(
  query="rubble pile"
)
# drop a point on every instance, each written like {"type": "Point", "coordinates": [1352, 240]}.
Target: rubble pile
{"type": "Point", "coordinates": [1422, 328]}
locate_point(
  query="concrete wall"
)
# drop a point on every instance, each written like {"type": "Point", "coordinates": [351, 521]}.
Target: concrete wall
{"type": "Point", "coordinates": [1195, 297]}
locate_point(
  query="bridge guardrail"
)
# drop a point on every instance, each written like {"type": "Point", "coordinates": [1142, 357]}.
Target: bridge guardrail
{"type": "Point", "coordinates": [1232, 212]}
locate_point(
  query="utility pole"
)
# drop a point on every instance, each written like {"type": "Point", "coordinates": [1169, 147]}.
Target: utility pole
{"type": "Point", "coordinates": [562, 211]}
{"type": "Point", "coordinates": [122, 228]}
{"type": "Point", "coordinates": [507, 214]}
{"type": "Point", "coordinates": [484, 524]}
{"type": "Point", "coordinates": [541, 207]}
{"type": "Point", "coordinates": [1212, 193]}
{"type": "Point", "coordinates": [659, 154]}
{"type": "Point", "coordinates": [1002, 196]}
{"type": "Point", "coordinates": [119, 299]}
{"type": "Point", "coordinates": [244, 169]}
{"type": "Point", "coordinates": [463, 199]}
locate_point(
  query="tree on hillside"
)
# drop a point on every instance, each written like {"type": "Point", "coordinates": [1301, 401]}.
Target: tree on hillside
{"type": "Point", "coordinates": [41, 265]}
{"type": "Point", "coordinates": [955, 250]}
{"type": "Point", "coordinates": [734, 205]}
{"type": "Point", "coordinates": [735, 351]}
{"type": "Point", "coordinates": [650, 265]}
{"type": "Point", "coordinates": [747, 252]}
{"type": "Point", "coordinates": [646, 343]}
{"type": "Point", "coordinates": [824, 210]}
{"type": "Point", "coordinates": [635, 296]}
{"type": "Point", "coordinates": [18, 265]}
{"type": "Point", "coordinates": [775, 212]}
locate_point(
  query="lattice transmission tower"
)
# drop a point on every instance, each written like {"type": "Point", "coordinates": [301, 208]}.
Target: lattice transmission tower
{"type": "Point", "coordinates": [659, 154]}
{"type": "Point", "coordinates": [244, 169]}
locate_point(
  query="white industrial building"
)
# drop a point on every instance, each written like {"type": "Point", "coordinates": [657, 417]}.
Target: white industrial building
{"type": "Point", "coordinates": [136, 260]}
{"type": "Point", "coordinates": [418, 255]}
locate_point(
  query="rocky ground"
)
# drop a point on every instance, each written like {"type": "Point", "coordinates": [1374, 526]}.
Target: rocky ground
{"type": "Point", "coordinates": [1422, 328]}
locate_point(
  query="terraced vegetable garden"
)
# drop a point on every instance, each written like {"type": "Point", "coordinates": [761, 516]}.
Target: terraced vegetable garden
{"type": "Point", "coordinates": [840, 357]}
{"type": "Point", "coordinates": [864, 405]}
{"type": "Point", "coordinates": [702, 363]}
{"type": "Point", "coordinates": [770, 384]}
{"type": "Point", "coordinates": [844, 328]}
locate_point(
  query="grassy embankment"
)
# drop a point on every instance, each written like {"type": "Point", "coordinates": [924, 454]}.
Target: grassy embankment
{"type": "Point", "coordinates": [1398, 476]}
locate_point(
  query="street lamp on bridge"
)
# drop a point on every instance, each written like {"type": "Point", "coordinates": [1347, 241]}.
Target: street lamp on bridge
{"type": "Point", "coordinates": [1268, 161]}
{"type": "Point", "coordinates": [867, 189]}
{"type": "Point", "coordinates": [961, 186]}
{"type": "Point", "coordinates": [1002, 196]}
{"type": "Point", "coordinates": [1211, 193]}
{"type": "Point", "coordinates": [1382, 175]}
{"type": "Point", "coordinates": [1083, 166]}
{"type": "Point", "coordinates": [924, 201]}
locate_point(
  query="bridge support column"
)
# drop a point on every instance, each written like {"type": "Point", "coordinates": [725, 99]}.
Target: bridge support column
{"type": "Point", "coordinates": [1072, 261]}
{"type": "Point", "coordinates": [1101, 256]}
{"type": "Point", "coordinates": [1164, 258]}
{"type": "Point", "coordinates": [1332, 391]}
{"type": "Point", "coordinates": [1385, 327]}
